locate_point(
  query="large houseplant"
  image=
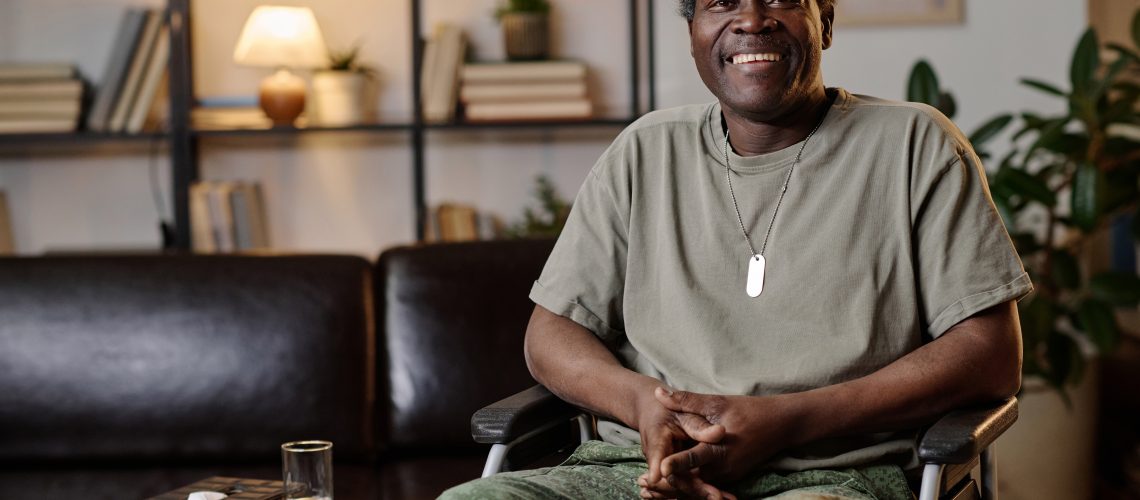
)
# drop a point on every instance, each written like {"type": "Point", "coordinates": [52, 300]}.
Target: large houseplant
{"type": "Point", "coordinates": [1064, 179]}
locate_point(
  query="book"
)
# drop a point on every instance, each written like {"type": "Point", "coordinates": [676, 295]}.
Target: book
{"type": "Point", "coordinates": [36, 71]}
{"type": "Point", "coordinates": [508, 92]}
{"type": "Point", "coordinates": [523, 71]}
{"type": "Point", "coordinates": [41, 90]}
{"type": "Point", "coordinates": [7, 244]}
{"type": "Point", "coordinates": [222, 216]}
{"type": "Point", "coordinates": [444, 86]}
{"type": "Point", "coordinates": [158, 116]}
{"type": "Point", "coordinates": [156, 74]}
{"type": "Point", "coordinates": [200, 224]}
{"type": "Point", "coordinates": [135, 71]}
{"type": "Point", "coordinates": [130, 30]}
{"type": "Point", "coordinates": [250, 230]}
{"type": "Point", "coordinates": [574, 109]}
{"type": "Point", "coordinates": [33, 125]}
{"type": "Point", "coordinates": [427, 71]}
{"type": "Point", "coordinates": [54, 108]}
{"type": "Point", "coordinates": [229, 118]}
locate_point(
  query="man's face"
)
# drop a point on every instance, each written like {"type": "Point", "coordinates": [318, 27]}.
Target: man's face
{"type": "Point", "coordinates": [761, 58]}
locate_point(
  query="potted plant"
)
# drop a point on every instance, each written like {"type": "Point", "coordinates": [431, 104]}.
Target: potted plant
{"type": "Point", "coordinates": [339, 90]}
{"type": "Point", "coordinates": [1064, 180]}
{"type": "Point", "coordinates": [526, 33]}
{"type": "Point", "coordinates": [548, 221]}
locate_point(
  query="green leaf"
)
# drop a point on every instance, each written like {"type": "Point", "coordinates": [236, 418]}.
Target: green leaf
{"type": "Point", "coordinates": [989, 130]}
{"type": "Point", "coordinates": [1007, 218]}
{"type": "Point", "coordinates": [1099, 324]}
{"type": "Point", "coordinates": [1037, 320]}
{"type": "Point", "coordinates": [1124, 51]}
{"type": "Point", "coordinates": [1050, 132]}
{"type": "Point", "coordinates": [1120, 288]}
{"type": "Point", "coordinates": [1087, 186]}
{"type": "Point", "coordinates": [1028, 186]}
{"type": "Point", "coordinates": [947, 105]}
{"type": "Point", "coordinates": [1025, 243]}
{"type": "Point", "coordinates": [1086, 58]}
{"type": "Point", "coordinates": [1136, 28]}
{"type": "Point", "coordinates": [1061, 353]}
{"type": "Point", "coordinates": [1066, 272]}
{"type": "Point", "coordinates": [923, 84]}
{"type": "Point", "coordinates": [1044, 87]}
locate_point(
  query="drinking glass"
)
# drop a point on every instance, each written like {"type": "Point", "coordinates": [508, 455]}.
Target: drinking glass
{"type": "Point", "coordinates": [306, 467]}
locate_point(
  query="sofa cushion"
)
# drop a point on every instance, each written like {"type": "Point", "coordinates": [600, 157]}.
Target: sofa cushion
{"type": "Point", "coordinates": [453, 318]}
{"type": "Point", "coordinates": [183, 357]}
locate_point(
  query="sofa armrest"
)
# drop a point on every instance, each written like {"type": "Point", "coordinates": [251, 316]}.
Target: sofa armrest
{"type": "Point", "coordinates": [962, 435]}
{"type": "Point", "coordinates": [515, 416]}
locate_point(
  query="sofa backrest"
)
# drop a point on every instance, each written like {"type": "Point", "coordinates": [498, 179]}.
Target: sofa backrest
{"type": "Point", "coordinates": [184, 357]}
{"type": "Point", "coordinates": [452, 318]}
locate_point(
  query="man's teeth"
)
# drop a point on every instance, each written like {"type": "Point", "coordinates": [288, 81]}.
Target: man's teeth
{"type": "Point", "coordinates": [747, 58]}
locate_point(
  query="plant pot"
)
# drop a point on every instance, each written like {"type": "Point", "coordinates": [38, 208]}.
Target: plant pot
{"type": "Point", "coordinates": [1050, 451]}
{"type": "Point", "coordinates": [526, 35]}
{"type": "Point", "coordinates": [338, 98]}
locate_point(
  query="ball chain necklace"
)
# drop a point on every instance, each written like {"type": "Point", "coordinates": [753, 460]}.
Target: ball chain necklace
{"type": "Point", "coordinates": [756, 263]}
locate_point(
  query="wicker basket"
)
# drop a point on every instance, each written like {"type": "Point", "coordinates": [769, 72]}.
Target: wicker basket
{"type": "Point", "coordinates": [525, 35]}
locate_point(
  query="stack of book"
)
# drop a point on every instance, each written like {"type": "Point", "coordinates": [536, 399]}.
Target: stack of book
{"type": "Point", "coordinates": [547, 90]}
{"type": "Point", "coordinates": [39, 98]}
{"type": "Point", "coordinates": [228, 216]}
{"type": "Point", "coordinates": [130, 98]}
{"type": "Point", "coordinates": [443, 56]}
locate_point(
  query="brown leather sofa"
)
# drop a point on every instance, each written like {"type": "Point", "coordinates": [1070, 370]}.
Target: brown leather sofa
{"type": "Point", "coordinates": [129, 376]}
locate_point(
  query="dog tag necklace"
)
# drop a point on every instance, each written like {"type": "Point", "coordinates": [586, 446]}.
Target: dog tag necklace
{"type": "Point", "coordinates": [756, 262]}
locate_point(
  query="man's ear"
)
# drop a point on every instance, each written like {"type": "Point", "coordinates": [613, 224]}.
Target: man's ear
{"type": "Point", "coordinates": [827, 20]}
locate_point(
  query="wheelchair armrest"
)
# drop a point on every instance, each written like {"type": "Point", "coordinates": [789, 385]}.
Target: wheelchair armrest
{"type": "Point", "coordinates": [510, 418]}
{"type": "Point", "coordinates": [962, 435]}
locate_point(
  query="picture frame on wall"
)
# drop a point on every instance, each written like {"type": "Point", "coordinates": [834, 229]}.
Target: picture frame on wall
{"type": "Point", "coordinates": [898, 12]}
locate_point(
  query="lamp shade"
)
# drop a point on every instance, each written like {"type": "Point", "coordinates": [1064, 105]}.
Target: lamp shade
{"type": "Point", "coordinates": [281, 37]}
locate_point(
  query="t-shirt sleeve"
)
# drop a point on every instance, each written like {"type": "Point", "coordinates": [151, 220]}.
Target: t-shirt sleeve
{"type": "Point", "coordinates": [966, 260]}
{"type": "Point", "coordinates": [584, 278]}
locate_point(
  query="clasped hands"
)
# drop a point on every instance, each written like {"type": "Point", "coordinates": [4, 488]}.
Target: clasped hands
{"type": "Point", "coordinates": [693, 440]}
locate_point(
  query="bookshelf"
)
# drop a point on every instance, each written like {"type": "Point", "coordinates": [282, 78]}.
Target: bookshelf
{"type": "Point", "coordinates": [184, 144]}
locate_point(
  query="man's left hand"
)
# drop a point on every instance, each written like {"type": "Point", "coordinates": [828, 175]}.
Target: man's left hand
{"type": "Point", "coordinates": [756, 428]}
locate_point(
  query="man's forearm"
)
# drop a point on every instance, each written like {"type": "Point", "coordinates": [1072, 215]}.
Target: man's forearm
{"type": "Point", "coordinates": [574, 364]}
{"type": "Point", "coordinates": [978, 360]}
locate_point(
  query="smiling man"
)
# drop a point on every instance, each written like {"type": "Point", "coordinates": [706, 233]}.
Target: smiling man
{"type": "Point", "coordinates": [766, 295]}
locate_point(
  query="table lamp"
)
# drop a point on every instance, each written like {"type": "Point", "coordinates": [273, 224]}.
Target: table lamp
{"type": "Point", "coordinates": [282, 38]}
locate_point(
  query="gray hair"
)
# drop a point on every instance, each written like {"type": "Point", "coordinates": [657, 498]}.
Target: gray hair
{"type": "Point", "coordinates": [686, 8]}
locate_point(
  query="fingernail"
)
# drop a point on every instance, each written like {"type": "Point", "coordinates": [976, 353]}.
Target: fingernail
{"type": "Point", "coordinates": [666, 391]}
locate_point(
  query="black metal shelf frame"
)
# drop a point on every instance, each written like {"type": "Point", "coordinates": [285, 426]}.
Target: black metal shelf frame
{"type": "Point", "coordinates": [185, 141]}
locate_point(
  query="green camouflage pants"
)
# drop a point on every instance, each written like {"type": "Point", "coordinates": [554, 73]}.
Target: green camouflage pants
{"type": "Point", "coordinates": [604, 471]}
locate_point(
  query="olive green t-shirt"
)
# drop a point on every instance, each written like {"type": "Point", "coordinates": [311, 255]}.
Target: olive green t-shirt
{"type": "Point", "coordinates": [886, 238]}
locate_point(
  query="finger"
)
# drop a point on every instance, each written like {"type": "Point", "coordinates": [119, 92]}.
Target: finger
{"type": "Point", "coordinates": [687, 485]}
{"type": "Point", "coordinates": [650, 494]}
{"type": "Point", "coordinates": [692, 458]}
{"type": "Point", "coordinates": [661, 486]}
{"type": "Point", "coordinates": [709, 491]}
{"type": "Point", "coordinates": [657, 445]}
{"type": "Point", "coordinates": [699, 429]}
{"type": "Point", "coordinates": [682, 401]}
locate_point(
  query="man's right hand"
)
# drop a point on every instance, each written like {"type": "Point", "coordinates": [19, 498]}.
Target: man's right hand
{"type": "Point", "coordinates": [665, 432]}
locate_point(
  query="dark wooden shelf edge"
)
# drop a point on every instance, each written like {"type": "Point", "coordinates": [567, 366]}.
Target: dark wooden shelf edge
{"type": "Point", "coordinates": [542, 124]}
{"type": "Point", "coordinates": [280, 131]}
{"type": "Point", "coordinates": [75, 137]}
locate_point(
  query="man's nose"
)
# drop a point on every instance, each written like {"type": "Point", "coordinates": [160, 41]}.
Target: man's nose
{"type": "Point", "coordinates": [753, 16]}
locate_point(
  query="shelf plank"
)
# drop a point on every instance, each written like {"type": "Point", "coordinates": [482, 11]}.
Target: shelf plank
{"type": "Point", "coordinates": [34, 139]}
{"type": "Point", "coordinates": [284, 131]}
{"type": "Point", "coordinates": [532, 124]}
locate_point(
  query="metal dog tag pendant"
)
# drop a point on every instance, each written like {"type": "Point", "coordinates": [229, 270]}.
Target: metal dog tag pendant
{"type": "Point", "coordinates": [755, 283]}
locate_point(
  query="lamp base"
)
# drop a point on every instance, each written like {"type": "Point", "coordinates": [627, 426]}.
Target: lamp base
{"type": "Point", "coordinates": [282, 97]}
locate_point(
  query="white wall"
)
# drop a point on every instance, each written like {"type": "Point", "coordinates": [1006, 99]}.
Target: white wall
{"type": "Point", "coordinates": [351, 193]}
